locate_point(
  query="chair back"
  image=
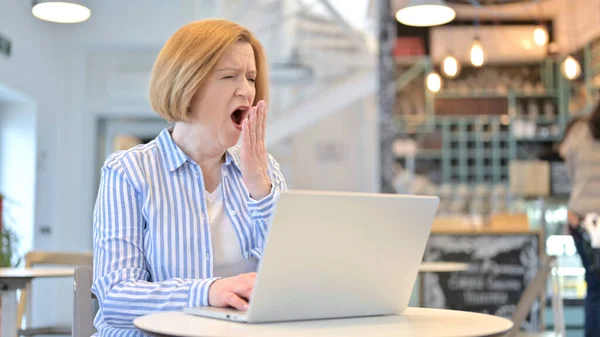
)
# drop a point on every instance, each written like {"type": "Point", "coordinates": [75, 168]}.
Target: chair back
{"type": "Point", "coordinates": [37, 258]}
{"type": "Point", "coordinates": [83, 310]}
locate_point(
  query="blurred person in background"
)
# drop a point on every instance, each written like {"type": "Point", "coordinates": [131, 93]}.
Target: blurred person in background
{"type": "Point", "coordinates": [182, 221]}
{"type": "Point", "coordinates": [581, 149]}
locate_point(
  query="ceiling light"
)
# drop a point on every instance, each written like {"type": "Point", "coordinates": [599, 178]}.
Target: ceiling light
{"type": "Point", "coordinates": [571, 68]}
{"type": "Point", "coordinates": [540, 36]}
{"type": "Point", "coordinates": [477, 55]}
{"type": "Point", "coordinates": [425, 13]}
{"type": "Point", "coordinates": [434, 81]}
{"type": "Point", "coordinates": [450, 66]}
{"type": "Point", "coordinates": [60, 11]}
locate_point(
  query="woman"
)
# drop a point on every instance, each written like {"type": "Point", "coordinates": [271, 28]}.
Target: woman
{"type": "Point", "coordinates": [581, 149]}
{"type": "Point", "coordinates": [181, 221]}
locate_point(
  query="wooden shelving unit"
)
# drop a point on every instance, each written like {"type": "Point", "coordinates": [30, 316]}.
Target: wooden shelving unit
{"type": "Point", "coordinates": [478, 131]}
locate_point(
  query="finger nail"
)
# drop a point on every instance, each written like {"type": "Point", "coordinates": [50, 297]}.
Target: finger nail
{"type": "Point", "coordinates": [245, 306]}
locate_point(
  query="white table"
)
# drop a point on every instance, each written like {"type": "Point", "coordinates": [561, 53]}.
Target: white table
{"type": "Point", "coordinates": [12, 279]}
{"type": "Point", "coordinates": [414, 322]}
{"type": "Point", "coordinates": [442, 267]}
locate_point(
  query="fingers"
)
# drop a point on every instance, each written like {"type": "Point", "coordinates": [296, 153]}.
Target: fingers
{"type": "Point", "coordinates": [233, 291]}
{"type": "Point", "coordinates": [245, 285]}
{"type": "Point", "coordinates": [253, 121]}
{"type": "Point", "coordinates": [246, 294]}
{"type": "Point", "coordinates": [264, 124]}
{"type": "Point", "coordinates": [246, 142]}
{"type": "Point", "coordinates": [242, 290]}
{"type": "Point", "coordinates": [260, 129]}
{"type": "Point", "coordinates": [235, 301]}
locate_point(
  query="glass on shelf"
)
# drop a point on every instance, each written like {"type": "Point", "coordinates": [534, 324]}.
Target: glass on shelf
{"type": "Point", "coordinates": [533, 110]}
{"type": "Point", "coordinates": [549, 111]}
{"type": "Point", "coordinates": [539, 88]}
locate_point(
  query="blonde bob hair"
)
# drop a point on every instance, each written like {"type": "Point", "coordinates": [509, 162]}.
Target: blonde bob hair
{"type": "Point", "coordinates": [187, 59]}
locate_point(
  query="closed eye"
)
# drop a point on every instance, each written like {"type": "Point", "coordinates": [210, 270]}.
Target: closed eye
{"type": "Point", "coordinates": [227, 77]}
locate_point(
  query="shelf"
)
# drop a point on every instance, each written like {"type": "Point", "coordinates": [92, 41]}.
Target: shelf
{"type": "Point", "coordinates": [539, 120]}
{"type": "Point", "coordinates": [472, 136]}
{"type": "Point", "coordinates": [547, 94]}
{"type": "Point", "coordinates": [491, 94]}
{"type": "Point", "coordinates": [539, 139]}
{"type": "Point", "coordinates": [425, 154]}
{"type": "Point", "coordinates": [473, 95]}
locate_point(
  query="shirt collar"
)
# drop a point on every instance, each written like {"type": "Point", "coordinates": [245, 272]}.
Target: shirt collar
{"type": "Point", "coordinates": [174, 157]}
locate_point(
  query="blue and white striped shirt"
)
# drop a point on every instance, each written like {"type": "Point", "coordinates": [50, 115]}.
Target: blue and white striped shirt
{"type": "Point", "coordinates": [152, 240]}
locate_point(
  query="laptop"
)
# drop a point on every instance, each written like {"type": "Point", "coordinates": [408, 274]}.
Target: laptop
{"type": "Point", "coordinates": [337, 254]}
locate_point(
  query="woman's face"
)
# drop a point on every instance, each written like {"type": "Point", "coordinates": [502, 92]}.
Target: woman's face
{"type": "Point", "coordinates": [226, 97]}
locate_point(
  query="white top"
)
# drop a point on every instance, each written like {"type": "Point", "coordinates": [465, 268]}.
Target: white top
{"type": "Point", "coordinates": [583, 162]}
{"type": "Point", "coordinates": [421, 322]}
{"type": "Point", "coordinates": [227, 254]}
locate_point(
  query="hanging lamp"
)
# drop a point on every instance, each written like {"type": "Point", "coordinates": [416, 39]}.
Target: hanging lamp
{"type": "Point", "coordinates": [72, 11]}
{"type": "Point", "coordinates": [477, 54]}
{"type": "Point", "coordinates": [434, 81]}
{"type": "Point", "coordinates": [425, 13]}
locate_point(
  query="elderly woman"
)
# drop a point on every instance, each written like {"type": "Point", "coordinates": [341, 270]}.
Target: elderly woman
{"type": "Point", "coordinates": [182, 221]}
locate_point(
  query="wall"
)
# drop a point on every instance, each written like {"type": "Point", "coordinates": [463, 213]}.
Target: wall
{"type": "Point", "coordinates": [17, 167]}
{"type": "Point", "coordinates": [39, 78]}
{"type": "Point", "coordinates": [39, 69]}
{"type": "Point", "coordinates": [339, 153]}
{"type": "Point", "coordinates": [500, 44]}
{"type": "Point", "coordinates": [577, 23]}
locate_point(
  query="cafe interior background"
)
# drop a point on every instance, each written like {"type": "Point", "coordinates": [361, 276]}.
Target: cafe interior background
{"type": "Point", "coordinates": [469, 109]}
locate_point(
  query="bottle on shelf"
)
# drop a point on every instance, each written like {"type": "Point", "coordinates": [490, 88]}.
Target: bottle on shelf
{"type": "Point", "coordinates": [549, 113]}
{"type": "Point", "coordinates": [533, 110]}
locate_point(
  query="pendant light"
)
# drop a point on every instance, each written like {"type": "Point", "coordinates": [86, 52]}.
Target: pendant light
{"type": "Point", "coordinates": [434, 81]}
{"type": "Point", "coordinates": [450, 66]}
{"type": "Point", "coordinates": [570, 68]}
{"type": "Point", "coordinates": [70, 11]}
{"type": "Point", "coordinates": [540, 33]}
{"type": "Point", "coordinates": [540, 36]}
{"type": "Point", "coordinates": [477, 54]}
{"type": "Point", "coordinates": [425, 13]}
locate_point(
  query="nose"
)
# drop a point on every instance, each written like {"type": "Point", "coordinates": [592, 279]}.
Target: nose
{"type": "Point", "coordinates": [245, 89]}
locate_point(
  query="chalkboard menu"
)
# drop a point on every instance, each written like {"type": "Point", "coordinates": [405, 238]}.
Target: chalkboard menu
{"type": "Point", "coordinates": [502, 267]}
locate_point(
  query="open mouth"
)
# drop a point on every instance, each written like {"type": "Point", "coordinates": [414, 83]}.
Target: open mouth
{"type": "Point", "coordinates": [238, 115]}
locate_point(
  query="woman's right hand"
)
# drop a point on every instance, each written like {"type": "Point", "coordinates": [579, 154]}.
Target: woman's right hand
{"type": "Point", "coordinates": [232, 291]}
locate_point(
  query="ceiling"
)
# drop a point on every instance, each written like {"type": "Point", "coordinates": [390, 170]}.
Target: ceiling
{"type": "Point", "coordinates": [502, 44]}
{"type": "Point", "coordinates": [500, 9]}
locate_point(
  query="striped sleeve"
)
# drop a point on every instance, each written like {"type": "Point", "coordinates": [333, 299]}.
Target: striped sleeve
{"type": "Point", "coordinates": [121, 281]}
{"type": "Point", "coordinates": [262, 211]}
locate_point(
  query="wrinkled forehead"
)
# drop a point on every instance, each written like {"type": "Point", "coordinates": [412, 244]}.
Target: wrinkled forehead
{"type": "Point", "coordinates": [240, 57]}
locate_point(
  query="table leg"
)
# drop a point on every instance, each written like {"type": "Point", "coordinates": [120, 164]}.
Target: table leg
{"type": "Point", "coordinates": [8, 313]}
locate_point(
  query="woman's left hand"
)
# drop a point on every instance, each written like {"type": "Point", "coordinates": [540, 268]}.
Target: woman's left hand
{"type": "Point", "coordinates": [255, 166]}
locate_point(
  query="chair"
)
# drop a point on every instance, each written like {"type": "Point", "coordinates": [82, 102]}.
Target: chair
{"type": "Point", "coordinates": [36, 258]}
{"type": "Point", "coordinates": [83, 310]}
{"type": "Point", "coordinates": [536, 289]}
